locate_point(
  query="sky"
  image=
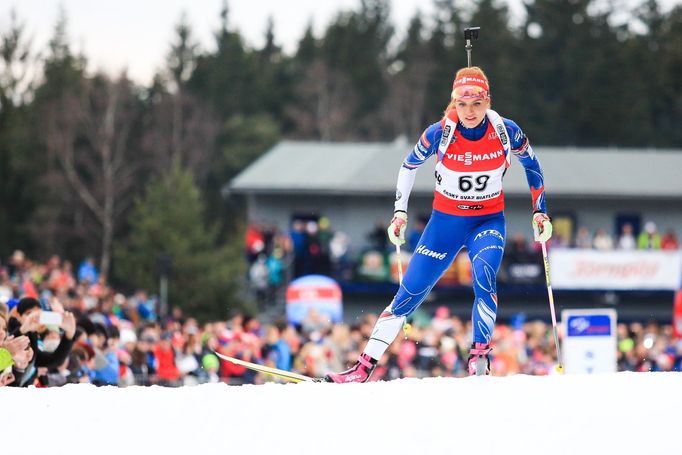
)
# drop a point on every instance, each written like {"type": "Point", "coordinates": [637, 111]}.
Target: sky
{"type": "Point", "coordinates": [136, 34]}
{"type": "Point", "coordinates": [617, 413]}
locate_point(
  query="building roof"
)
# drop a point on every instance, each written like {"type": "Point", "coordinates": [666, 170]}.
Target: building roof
{"type": "Point", "coordinates": [296, 167]}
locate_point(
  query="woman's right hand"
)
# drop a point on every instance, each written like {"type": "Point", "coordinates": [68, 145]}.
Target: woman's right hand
{"type": "Point", "coordinates": [396, 231]}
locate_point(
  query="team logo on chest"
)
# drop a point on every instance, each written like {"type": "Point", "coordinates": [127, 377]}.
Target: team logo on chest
{"type": "Point", "coordinates": [468, 158]}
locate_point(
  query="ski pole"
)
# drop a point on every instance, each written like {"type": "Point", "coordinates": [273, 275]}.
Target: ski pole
{"type": "Point", "coordinates": [400, 265]}
{"type": "Point", "coordinates": [407, 327]}
{"type": "Point", "coordinates": [559, 367]}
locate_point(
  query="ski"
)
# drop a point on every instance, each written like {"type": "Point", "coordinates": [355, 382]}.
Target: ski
{"type": "Point", "coordinates": [286, 375]}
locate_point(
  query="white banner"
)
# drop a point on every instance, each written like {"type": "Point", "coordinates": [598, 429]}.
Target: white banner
{"type": "Point", "coordinates": [589, 344]}
{"type": "Point", "coordinates": [615, 270]}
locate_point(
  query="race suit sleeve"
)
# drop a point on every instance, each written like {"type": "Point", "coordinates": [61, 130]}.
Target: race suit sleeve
{"type": "Point", "coordinates": [523, 151]}
{"type": "Point", "coordinates": [426, 146]}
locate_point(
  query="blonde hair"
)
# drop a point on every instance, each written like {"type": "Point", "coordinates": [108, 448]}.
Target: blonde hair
{"type": "Point", "coordinates": [470, 71]}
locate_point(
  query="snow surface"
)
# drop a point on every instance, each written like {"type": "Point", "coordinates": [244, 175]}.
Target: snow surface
{"type": "Point", "coordinates": [620, 413]}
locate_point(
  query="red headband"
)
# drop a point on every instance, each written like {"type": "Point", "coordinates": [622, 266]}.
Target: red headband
{"type": "Point", "coordinates": [470, 87]}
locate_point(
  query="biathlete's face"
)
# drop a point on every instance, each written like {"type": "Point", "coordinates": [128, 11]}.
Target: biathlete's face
{"type": "Point", "coordinates": [471, 111]}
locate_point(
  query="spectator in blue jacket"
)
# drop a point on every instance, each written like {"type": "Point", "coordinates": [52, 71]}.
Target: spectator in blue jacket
{"type": "Point", "coordinates": [87, 272]}
{"type": "Point", "coordinates": [278, 352]}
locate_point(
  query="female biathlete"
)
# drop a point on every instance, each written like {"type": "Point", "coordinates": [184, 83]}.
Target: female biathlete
{"type": "Point", "coordinates": [473, 147]}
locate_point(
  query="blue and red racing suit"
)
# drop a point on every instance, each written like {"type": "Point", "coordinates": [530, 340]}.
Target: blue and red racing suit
{"type": "Point", "coordinates": [468, 211]}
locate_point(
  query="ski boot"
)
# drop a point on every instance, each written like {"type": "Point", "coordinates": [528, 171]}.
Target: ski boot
{"type": "Point", "coordinates": [360, 372]}
{"type": "Point", "coordinates": [479, 363]}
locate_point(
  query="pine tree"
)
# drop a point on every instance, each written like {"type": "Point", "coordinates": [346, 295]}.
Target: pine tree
{"type": "Point", "coordinates": [496, 53]}
{"type": "Point", "coordinates": [244, 139]}
{"type": "Point", "coordinates": [306, 51]}
{"type": "Point", "coordinates": [448, 59]}
{"type": "Point", "coordinates": [90, 138]}
{"type": "Point", "coordinates": [569, 91]}
{"type": "Point", "coordinates": [324, 99]}
{"type": "Point", "coordinates": [411, 69]}
{"type": "Point", "coordinates": [654, 76]}
{"type": "Point", "coordinates": [354, 48]}
{"type": "Point", "coordinates": [273, 85]}
{"type": "Point", "coordinates": [226, 79]}
{"type": "Point", "coordinates": [58, 222]}
{"type": "Point", "coordinates": [168, 221]}
{"type": "Point", "coordinates": [671, 66]}
{"type": "Point", "coordinates": [18, 173]}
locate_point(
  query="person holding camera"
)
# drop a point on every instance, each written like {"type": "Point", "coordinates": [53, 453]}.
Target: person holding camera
{"type": "Point", "coordinates": [29, 323]}
{"type": "Point", "coordinates": [15, 352]}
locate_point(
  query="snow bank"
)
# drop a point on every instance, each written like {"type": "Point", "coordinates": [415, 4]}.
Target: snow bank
{"type": "Point", "coordinates": [623, 413]}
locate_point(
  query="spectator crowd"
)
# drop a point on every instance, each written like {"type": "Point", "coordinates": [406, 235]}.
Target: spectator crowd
{"type": "Point", "coordinates": [59, 327]}
{"type": "Point", "coordinates": [648, 239]}
{"type": "Point", "coordinates": [313, 246]}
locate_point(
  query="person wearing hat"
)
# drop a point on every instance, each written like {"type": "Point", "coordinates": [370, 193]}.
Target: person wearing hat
{"type": "Point", "coordinates": [28, 323]}
{"type": "Point", "coordinates": [649, 238]}
{"type": "Point", "coordinates": [211, 366]}
{"type": "Point", "coordinates": [472, 146]}
{"type": "Point", "coordinates": [6, 363]}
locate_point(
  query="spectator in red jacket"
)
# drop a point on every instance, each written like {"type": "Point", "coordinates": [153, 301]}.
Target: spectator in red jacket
{"type": "Point", "coordinates": [669, 241]}
{"type": "Point", "coordinates": [167, 371]}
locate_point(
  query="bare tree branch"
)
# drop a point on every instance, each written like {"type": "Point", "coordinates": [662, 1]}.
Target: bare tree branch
{"type": "Point", "coordinates": [89, 135]}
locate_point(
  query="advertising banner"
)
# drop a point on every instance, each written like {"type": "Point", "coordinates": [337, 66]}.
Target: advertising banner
{"type": "Point", "coordinates": [589, 344]}
{"type": "Point", "coordinates": [316, 292]}
{"type": "Point", "coordinates": [615, 270]}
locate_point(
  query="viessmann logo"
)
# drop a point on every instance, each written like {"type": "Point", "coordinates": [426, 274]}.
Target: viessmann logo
{"type": "Point", "coordinates": [468, 158]}
{"type": "Point", "coordinates": [471, 80]}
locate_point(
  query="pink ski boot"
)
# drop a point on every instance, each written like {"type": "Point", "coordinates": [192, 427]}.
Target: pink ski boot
{"type": "Point", "coordinates": [360, 372]}
{"type": "Point", "coordinates": [479, 363]}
